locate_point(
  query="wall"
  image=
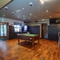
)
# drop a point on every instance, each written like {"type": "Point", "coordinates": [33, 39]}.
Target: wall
{"type": "Point", "coordinates": [44, 31]}
{"type": "Point", "coordinates": [34, 29]}
{"type": "Point", "coordinates": [37, 23]}
{"type": "Point", "coordinates": [53, 32]}
{"type": "Point", "coordinates": [11, 21]}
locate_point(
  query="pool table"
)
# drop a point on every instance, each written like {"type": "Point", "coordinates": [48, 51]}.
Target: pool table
{"type": "Point", "coordinates": [28, 37]}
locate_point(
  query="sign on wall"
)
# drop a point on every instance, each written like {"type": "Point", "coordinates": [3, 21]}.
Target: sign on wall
{"type": "Point", "coordinates": [3, 20]}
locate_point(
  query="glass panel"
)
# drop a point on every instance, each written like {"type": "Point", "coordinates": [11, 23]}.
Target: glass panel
{"type": "Point", "coordinates": [5, 30]}
{"type": "Point", "coordinates": [1, 30]}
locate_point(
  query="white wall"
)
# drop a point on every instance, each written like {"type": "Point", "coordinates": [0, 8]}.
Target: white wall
{"type": "Point", "coordinates": [11, 21]}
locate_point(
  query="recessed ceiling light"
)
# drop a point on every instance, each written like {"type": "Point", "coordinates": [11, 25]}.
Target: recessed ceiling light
{"type": "Point", "coordinates": [35, 16]}
{"type": "Point", "coordinates": [50, 16]}
{"type": "Point", "coordinates": [22, 8]}
{"type": "Point", "coordinates": [18, 10]}
{"type": "Point", "coordinates": [30, 14]}
{"type": "Point", "coordinates": [43, 19]}
{"type": "Point", "coordinates": [24, 18]}
{"type": "Point", "coordinates": [56, 21]}
{"type": "Point", "coordinates": [23, 15]}
{"type": "Point", "coordinates": [4, 15]}
{"type": "Point", "coordinates": [30, 3]}
{"type": "Point", "coordinates": [29, 17]}
{"type": "Point", "coordinates": [42, 2]}
{"type": "Point", "coordinates": [12, 12]}
{"type": "Point", "coordinates": [6, 8]}
{"type": "Point", "coordinates": [18, 17]}
{"type": "Point", "coordinates": [47, 11]}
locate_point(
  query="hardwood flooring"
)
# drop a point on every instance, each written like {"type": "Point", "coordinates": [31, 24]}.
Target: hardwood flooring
{"type": "Point", "coordinates": [47, 50]}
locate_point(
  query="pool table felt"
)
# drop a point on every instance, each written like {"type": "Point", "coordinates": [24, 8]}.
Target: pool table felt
{"type": "Point", "coordinates": [29, 34]}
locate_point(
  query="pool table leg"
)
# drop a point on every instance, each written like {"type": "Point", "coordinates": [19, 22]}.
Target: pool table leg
{"type": "Point", "coordinates": [25, 41]}
{"type": "Point", "coordinates": [18, 41]}
{"type": "Point", "coordinates": [33, 43]}
{"type": "Point", "coordinates": [38, 41]}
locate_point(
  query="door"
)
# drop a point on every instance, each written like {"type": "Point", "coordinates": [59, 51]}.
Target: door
{"type": "Point", "coordinates": [44, 31]}
{"type": "Point", "coordinates": [3, 30]}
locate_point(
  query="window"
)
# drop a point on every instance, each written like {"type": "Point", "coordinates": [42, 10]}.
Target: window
{"type": "Point", "coordinates": [17, 28]}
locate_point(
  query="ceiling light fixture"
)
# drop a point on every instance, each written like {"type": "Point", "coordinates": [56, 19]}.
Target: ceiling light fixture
{"type": "Point", "coordinates": [30, 3]}
{"type": "Point", "coordinates": [3, 15]}
{"type": "Point", "coordinates": [18, 10]}
{"type": "Point", "coordinates": [56, 21]}
{"type": "Point", "coordinates": [22, 8]}
{"type": "Point", "coordinates": [46, 10]}
{"type": "Point", "coordinates": [23, 15]}
{"type": "Point", "coordinates": [12, 12]}
{"type": "Point", "coordinates": [47, 0]}
{"type": "Point", "coordinates": [6, 8]}
{"type": "Point", "coordinates": [29, 17]}
{"type": "Point", "coordinates": [50, 16]}
{"type": "Point", "coordinates": [18, 17]}
{"type": "Point", "coordinates": [35, 16]}
{"type": "Point", "coordinates": [42, 2]}
{"type": "Point", "coordinates": [30, 14]}
{"type": "Point", "coordinates": [23, 18]}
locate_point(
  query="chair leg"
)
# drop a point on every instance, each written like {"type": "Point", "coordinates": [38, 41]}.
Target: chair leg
{"type": "Point", "coordinates": [58, 44]}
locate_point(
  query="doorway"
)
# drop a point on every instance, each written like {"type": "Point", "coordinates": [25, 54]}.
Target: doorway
{"type": "Point", "coordinates": [44, 31]}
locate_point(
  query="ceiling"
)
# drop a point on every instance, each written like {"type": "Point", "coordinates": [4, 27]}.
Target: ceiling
{"type": "Point", "coordinates": [40, 9]}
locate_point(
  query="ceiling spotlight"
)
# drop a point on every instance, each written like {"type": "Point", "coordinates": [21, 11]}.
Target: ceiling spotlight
{"type": "Point", "coordinates": [23, 15]}
{"type": "Point", "coordinates": [56, 21]}
{"type": "Point", "coordinates": [24, 18]}
{"type": "Point", "coordinates": [35, 16]}
{"type": "Point", "coordinates": [18, 17]}
{"type": "Point", "coordinates": [6, 8]}
{"type": "Point", "coordinates": [22, 8]}
{"type": "Point", "coordinates": [3, 15]}
{"type": "Point", "coordinates": [43, 19]}
{"type": "Point", "coordinates": [42, 2]}
{"type": "Point", "coordinates": [18, 10]}
{"type": "Point", "coordinates": [50, 16]}
{"type": "Point", "coordinates": [12, 12]}
{"type": "Point", "coordinates": [30, 3]}
{"type": "Point", "coordinates": [29, 17]}
{"type": "Point", "coordinates": [30, 14]}
{"type": "Point", "coordinates": [46, 10]}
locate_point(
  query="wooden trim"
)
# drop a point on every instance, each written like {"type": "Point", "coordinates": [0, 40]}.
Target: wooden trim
{"type": "Point", "coordinates": [6, 4]}
{"type": "Point", "coordinates": [7, 37]}
{"type": "Point", "coordinates": [4, 22]}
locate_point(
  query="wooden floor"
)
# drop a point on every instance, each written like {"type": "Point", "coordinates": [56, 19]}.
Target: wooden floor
{"type": "Point", "coordinates": [47, 50]}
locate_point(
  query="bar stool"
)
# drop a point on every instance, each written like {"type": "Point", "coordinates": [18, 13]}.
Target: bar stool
{"type": "Point", "coordinates": [58, 39]}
